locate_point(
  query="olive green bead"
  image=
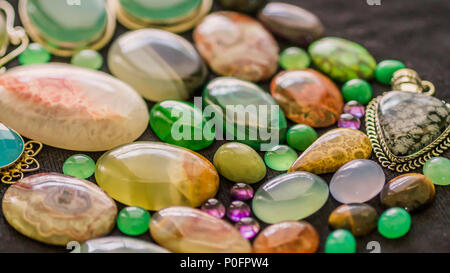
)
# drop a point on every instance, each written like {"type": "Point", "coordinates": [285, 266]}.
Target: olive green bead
{"type": "Point", "coordinates": [294, 58]}
{"type": "Point", "coordinates": [385, 69]}
{"type": "Point", "coordinates": [88, 58]}
{"type": "Point", "coordinates": [358, 90]}
{"type": "Point", "coordinates": [340, 241]}
{"type": "Point", "coordinates": [394, 223]}
{"type": "Point", "coordinates": [301, 136]}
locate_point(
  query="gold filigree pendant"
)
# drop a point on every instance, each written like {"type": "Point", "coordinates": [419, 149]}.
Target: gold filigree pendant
{"type": "Point", "coordinates": [408, 126]}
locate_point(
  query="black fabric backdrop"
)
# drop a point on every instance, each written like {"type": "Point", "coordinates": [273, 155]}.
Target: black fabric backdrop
{"type": "Point", "coordinates": [413, 31]}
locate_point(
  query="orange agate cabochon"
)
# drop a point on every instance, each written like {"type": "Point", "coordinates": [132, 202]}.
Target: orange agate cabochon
{"type": "Point", "coordinates": [307, 97]}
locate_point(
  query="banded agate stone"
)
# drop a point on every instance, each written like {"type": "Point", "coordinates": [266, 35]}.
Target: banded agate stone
{"type": "Point", "coordinates": [360, 219]}
{"type": "Point", "coordinates": [118, 244]}
{"type": "Point", "coordinates": [160, 65]}
{"type": "Point", "coordinates": [188, 230]}
{"type": "Point", "coordinates": [307, 97]}
{"type": "Point", "coordinates": [332, 150]}
{"type": "Point", "coordinates": [237, 45]}
{"type": "Point", "coordinates": [70, 107]}
{"type": "Point", "coordinates": [154, 175]}
{"type": "Point", "coordinates": [56, 209]}
{"type": "Point", "coordinates": [341, 59]}
{"type": "Point", "coordinates": [246, 112]}
{"type": "Point", "coordinates": [291, 196]}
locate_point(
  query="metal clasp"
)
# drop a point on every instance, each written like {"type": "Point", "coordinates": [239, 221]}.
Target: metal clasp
{"type": "Point", "coordinates": [408, 80]}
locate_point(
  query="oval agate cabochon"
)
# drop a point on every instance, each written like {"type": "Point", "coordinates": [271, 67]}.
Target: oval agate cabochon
{"type": "Point", "coordinates": [160, 65]}
{"type": "Point", "coordinates": [11, 146]}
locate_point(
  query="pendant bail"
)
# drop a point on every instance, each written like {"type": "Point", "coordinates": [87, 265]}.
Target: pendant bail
{"type": "Point", "coordinates": [408, 80]}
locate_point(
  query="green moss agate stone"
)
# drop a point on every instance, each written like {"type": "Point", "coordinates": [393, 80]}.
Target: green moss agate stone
{"type": "Point", "coordinates": [438, 170]}
{"type": "Point", "coordinates": [180, 123]}
{"type": "Point", "coordinates": [280, 157]}
{"type": "Point", "coordinates": [248, 113]}
{"type": "Point", "coordinates": [342, 59]}
{"type": "Point", "coordinates": [291, 196]}
{"type": "Point", "coordinates": [161, 10]}
{"type": "Point", "coordinates": [340, 241]}
{"type": "Point", "coordinates": [79, 165]}
{"type": "Point", "coordinates": [11, 146]}
{"type": "Point", "coordinates": [60, 22]}
{"type": "Point", "coordinates": [394, 223]}
{"type": "Point", "coordinates": [386, 69]}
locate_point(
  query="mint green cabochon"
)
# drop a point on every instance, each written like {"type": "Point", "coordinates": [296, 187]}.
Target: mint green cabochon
{"type": "Point", "coordinates": [59, 21]}
{"type": "Point", "coordinates": [11, 146]}
{"type": "Point", "coordinates": [160, 9]}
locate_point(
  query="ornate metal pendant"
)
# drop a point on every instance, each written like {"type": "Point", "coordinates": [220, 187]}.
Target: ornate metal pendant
{"type": "Point", "coordinates": [16, 156]}
{"type": "Point", "coordinates": [408, 126]}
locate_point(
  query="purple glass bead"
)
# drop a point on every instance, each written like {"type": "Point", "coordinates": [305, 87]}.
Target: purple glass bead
{"type": "Point", "coordinates": [248, 227]}
{"type": "Point", "coordinates": [241, 192]}
{"type": "Point", "coordinates": [355, 108]}
{"type": "Point", "coordinates": [349, 121]}
{"type": "Point", "coordinates": [238, 210]}
{"type": "Point", "coordinates": [214, 207]}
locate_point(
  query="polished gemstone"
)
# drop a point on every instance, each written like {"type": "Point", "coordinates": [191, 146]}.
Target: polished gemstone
{"type": "Point", "coordinates": [70, 107]}
{"type": "Point", "coordinates": [56, 209]}
{"type": "Point", "coordinates": [340, 241]}
{"type": "Point", "coordinates": [154, 175]}
{"type": "Point", "coordinates": [88, 58]}
{"type": "Point", "coordinates": [11, 146]}
{"type": "Point", "coordinates": [214, 207]}
{"type": "Point", "coordinates": [236, 45]}
{"type": "Point", "coordinates": [411, 121]}
{"type": "Point", "coordinates": [250, 115]}
{"type": "Point", "coordinates": [117, 244]}
{"type": "Point", "coordinates": [349, 121]}
{"type": "Point", "coordinates": [241, 192]}
{"type": "Point", "coordinates": [34, 54]}
{"type": "Point", "coordinates": [438, 170]}
{"type": "Point", "coordinates": [238, 210]}
{"type": "Point", "coordinates": [180, 123]}
{"type": "Point", "coordinates": [394, 223]}
{"type": "Point", "coordinates": [294, 58]}
{"type": "Point", "coordinates": [247, 6]}
{"type": "Point", "coordinates": [291, 196]}
{"type": "Point", "coordinates": [386, 68]}
{"type": "Point", "coordinates": [358, 90]}
{"type": "Point", "coordinates": [133, 221]}
{"type": "Point", "coordinates": [291, 22]}
{"type": "Point", "coordinates": [79, 165]}
{"type": "Point", "coordinates": [280, 157]}
{"type": "Point", "coordinates": [248, 227]}
{"type": "Point", "coordinates": [342, 59]}
{"type": "Point", "coordinates": [409, 191]}
{"type": "Point", "coordinates": [332, 150]}
{"type": "Point", "coordinates": [307, 97]}
{"type": "Point", "coordinates": [359, 219]}
{"type": "Point", "coordinates": [301, 136]}
{"type": "Point", "coordinates": [287, 237]}
{"type": "Point", "coordinates": [160, 65]}
{"type": "Point", "coordinates": [238, 162]}
{"type": "Point", "coordinates": [358, 181]}
{"type": "Point", "coordinates": [161, 12]}
{"type": "Point", "coordinates": [62, 26]}
{"type": "Point", "coordinates": [187, 230]}
{"type": "Point", "coordinates": [355, 108]}
{"type": "Point", "coordinates": [4, 39]}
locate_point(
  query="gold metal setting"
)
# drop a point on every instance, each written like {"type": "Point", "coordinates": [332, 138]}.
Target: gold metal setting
{"type": "Point", "coordinates": [67, 49]}
{"type": "Point", "coordinates": [134, 23]}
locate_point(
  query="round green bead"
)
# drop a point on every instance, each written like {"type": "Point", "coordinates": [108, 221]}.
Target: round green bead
{"type": "Point", "coordinates": [280, 157]}
{"type": "Point", "coordinates": [88, 58]}
{"type": "Point", "coordinates": [294, 58]}
{"type": "Point", "coordinates": [300, 136]}
{"type": "Point", "coordinates": [34, 54]}
{"type": "Point", "coordinates": [133, 221]}
{"type": "Point", "coordinates": [340, 241]}
{"type": "Point", "coordinates": [394, 223]}
{"type": "Point", "coordinates": [79, 165]}
{"type": "Point", "coordinates": [358, 90]}
{"type": "Point", "coordinates": [438, 170]}
{"type": "Point", "coordinates": [385, 69]}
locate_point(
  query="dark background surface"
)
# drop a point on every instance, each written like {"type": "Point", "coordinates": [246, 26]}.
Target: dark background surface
{"type": "Point", "coordinates": [413, 31]}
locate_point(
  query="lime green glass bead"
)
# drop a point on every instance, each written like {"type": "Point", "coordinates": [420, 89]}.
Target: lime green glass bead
{"type": "Point", "coordinates": [385, 69]}
{"type": "Point", "coordinates": [88, 58]}
{"type": "Point", "coordinates": [340, 241]}
{"type": "Point", "coordinates": [280, 157]}
{"type": "Point", "coordinates": [133, 221]}
{"type": "Point", "coordinates": [438, 170]}
{"type": "Point", "coordinates": [394, 223]}
{"type": "Point", "coordinates": [34, 54]}
{"type": "Point", "coordinates": [79, 165]}
{"type": "Point", "coordinates": [294, 58]}
{"type": "Point", "coordinates": [358, 90]}
{"type": "Point", "coordinates": [300, 136]}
